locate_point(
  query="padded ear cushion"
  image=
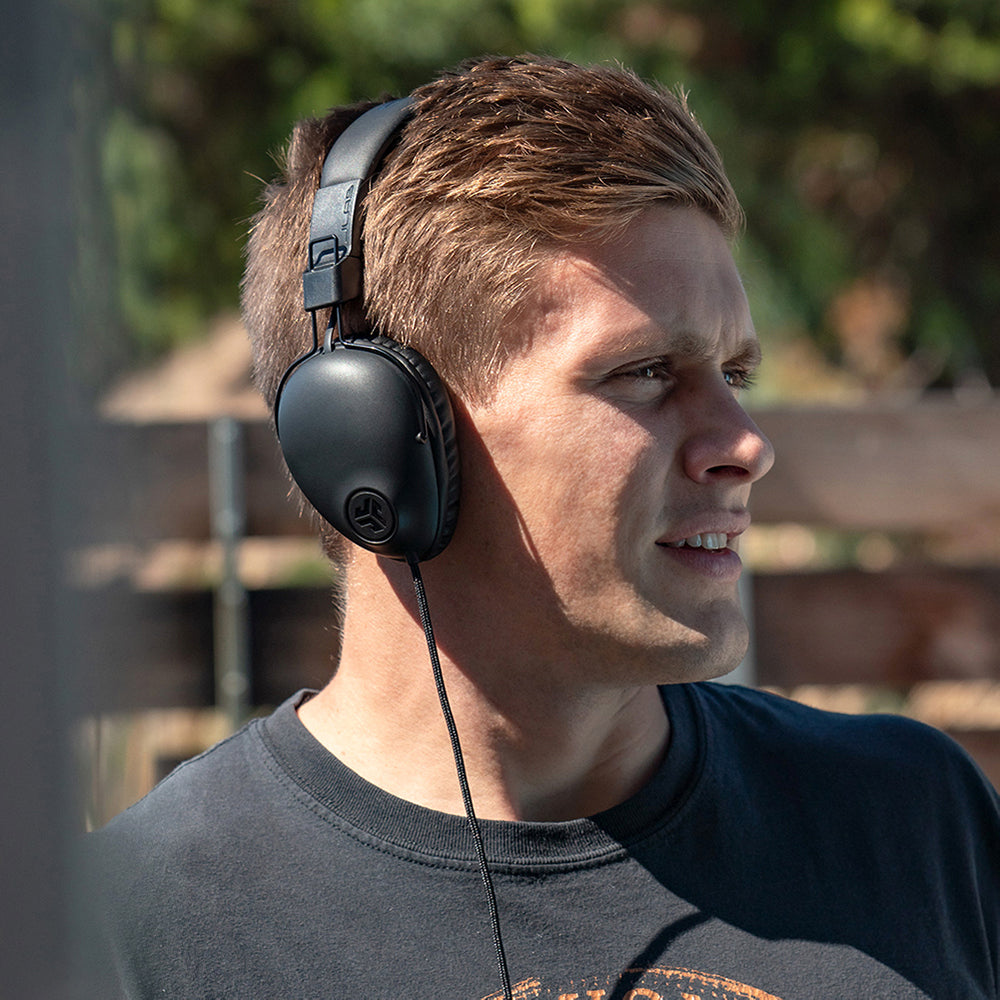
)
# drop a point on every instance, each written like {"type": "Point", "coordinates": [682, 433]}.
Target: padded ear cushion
{"type": "Point", "coordinates": [368, 434]}
{"type": "Point", "coordinates": [437, 395]}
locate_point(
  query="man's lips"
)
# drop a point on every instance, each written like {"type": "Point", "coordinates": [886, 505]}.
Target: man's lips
{"type": "Point", "coordinates": [721, 564]}
{"type": "Point", "coordinates": [712, 531]}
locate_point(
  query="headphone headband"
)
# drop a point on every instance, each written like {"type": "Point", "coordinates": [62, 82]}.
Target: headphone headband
{"type": "Point", "coordinates": [334, 264]}
{"type": "Point", "coordinates": [366, 425]}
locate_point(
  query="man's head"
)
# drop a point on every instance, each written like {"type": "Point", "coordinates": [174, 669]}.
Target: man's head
{"type": "Point", "coordinates": [505, 164]}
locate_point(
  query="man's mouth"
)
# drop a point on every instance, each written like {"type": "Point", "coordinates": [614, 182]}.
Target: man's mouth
{"type": "Point", "coordinates": [711, 540]}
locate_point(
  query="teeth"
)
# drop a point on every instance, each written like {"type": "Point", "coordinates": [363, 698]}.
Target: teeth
{"type": "Point", "coordinates": [710, 540]}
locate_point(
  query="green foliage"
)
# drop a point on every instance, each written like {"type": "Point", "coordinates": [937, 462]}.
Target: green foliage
{"type": "Point", "coordinates": [861, 135]}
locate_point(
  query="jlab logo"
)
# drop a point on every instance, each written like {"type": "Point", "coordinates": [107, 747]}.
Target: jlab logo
{"type": "Point", "coordinates": [371, 515]}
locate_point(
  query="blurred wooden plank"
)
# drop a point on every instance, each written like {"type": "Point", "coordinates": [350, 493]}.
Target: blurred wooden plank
{"type": "Point", "coordinates": [926, 466]}
{"type": "Point", "coordinates": [983, 745]}
{"type": "Point", "coordinates": [893, 629]}
{"type": "Point", "coordinates": [151, 481]}
{"type": "Point", "coordinates": [155, 648]}
{"type": "Point", "coordinates": [269, 509]}
{"type": "Point", "coordinates": [294, 641]}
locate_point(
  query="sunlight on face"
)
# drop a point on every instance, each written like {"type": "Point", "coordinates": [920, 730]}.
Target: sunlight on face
{"type": "Point", "coordinates": [618, 439]}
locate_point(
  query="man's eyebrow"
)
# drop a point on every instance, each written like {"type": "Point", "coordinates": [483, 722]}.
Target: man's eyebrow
{"type": "Point", "coordinates": [746, 351]}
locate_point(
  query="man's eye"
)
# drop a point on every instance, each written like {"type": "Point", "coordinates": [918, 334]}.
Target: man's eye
{"type": "Point", "coordinates": [740, 378]}
{"type": "Point", "coordinates": [646, 373]}
{"type": "Point", "coordinates": [641, 385]}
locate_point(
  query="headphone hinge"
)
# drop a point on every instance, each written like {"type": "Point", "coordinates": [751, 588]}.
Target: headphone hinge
{"type": "Point", "coordinates": [326, 286]}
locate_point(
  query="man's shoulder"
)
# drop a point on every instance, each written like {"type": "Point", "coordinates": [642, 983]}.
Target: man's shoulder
{"type": "Point", "coordinates": [197, 796]}
{"type": "Point", "coordinates": [835, 748]}
{"type": "Point", "coordinates": [228, 783]}
{"type": "Point", "coordinates": [884, 788]}
{"type": "Point", "coordinates": [771, 716]}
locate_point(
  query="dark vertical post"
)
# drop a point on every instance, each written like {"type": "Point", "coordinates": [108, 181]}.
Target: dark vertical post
{"type": "Point", "coordinates": [232, 668]}
{"type": "Point", "coordinates": [40, 431]}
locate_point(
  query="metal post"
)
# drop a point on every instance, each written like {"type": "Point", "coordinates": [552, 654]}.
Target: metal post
{"type": "Point", "coordinates": [231, 624]}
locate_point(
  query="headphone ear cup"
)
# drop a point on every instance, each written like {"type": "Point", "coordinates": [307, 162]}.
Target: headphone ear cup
{"type": "Point", "coordinates": [368, 434]}
{"type": "Point", "coordinates": [447, 468]}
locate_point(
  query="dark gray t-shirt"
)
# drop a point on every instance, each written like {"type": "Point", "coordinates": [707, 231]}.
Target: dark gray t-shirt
{"type": "Point", "coordinates": [779, 852]}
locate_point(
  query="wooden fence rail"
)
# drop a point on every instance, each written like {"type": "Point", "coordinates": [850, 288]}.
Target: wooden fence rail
{"type": "Point", "coordinates": [922, 472]}
{"type": "Point", "coordinates": [922, 467]}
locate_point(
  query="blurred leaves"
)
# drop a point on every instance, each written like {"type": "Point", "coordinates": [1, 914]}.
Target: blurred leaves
{"type": "Point", "coordinates": [862, 136]}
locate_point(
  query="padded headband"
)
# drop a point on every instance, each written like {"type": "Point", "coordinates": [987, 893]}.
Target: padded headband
{"type": "Point", "coordinates": [334, 272]}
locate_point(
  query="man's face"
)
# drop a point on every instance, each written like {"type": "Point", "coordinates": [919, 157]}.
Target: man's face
{"type": "Point", "coordinates": [607, 479]}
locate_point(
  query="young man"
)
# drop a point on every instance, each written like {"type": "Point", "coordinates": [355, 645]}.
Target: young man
{"type": "Point", "coordinates": [554, 241]}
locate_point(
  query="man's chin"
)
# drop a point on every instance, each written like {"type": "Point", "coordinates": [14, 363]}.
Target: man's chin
{"type": "Point", "coordinates": [707, 654]}
{"type": "Point", "coordinates": [662, 647]}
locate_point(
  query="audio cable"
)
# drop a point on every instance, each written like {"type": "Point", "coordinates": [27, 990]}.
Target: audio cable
{"type": "Point", "coordinates": [463, 781]}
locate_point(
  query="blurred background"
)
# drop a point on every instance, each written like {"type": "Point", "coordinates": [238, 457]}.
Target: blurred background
{"type": "Point", "coordinates": [861, 136]}
{"type": "Point", "coordinates": [160, 588]}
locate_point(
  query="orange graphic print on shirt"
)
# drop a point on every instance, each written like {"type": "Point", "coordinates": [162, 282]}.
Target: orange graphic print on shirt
{"type": "Point", "coordinates": [643, 984]}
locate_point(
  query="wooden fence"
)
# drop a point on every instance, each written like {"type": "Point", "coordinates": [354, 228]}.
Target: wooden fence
{"type": "Point", "coordinates": [900, 609]}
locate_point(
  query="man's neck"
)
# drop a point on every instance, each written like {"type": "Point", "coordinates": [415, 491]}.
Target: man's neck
{"type": "Point", "coordinates": [536, 747]}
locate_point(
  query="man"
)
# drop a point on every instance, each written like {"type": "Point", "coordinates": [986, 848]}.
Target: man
{"type": "Point", "coordinates": [554, 241]}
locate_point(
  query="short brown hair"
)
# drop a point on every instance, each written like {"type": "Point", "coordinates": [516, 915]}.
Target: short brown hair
{"type": "Point", "coordinates": [505, 162]}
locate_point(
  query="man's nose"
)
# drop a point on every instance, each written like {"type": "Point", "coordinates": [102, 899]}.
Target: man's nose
{"type": "Point", "coordinates": [725, 443]}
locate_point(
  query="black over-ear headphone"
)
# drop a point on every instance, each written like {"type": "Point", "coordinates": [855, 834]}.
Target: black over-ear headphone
{"type": "Point", "coordinates": [365, 423]}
